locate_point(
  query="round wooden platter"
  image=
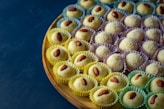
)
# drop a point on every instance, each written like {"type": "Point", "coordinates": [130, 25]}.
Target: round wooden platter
{"type": "Point", "coordinates": [79, 102]}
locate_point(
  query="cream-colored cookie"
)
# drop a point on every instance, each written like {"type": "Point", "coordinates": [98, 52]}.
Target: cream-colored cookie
{"type": "Point", "coordinates": [160, 56]}
{"type": "Point", "coordinates": [136, 34]}
{"type": "Point", "coordinates": [134, 60]}
{"type": "Point", "coordinates": [104, 38]}
{"type": "Point", "coordinates": [86, 4]}
{"type": "Point", "coordinates": [156, 101]}
{"type": "Point", "coordinates": [132, 20]}
{"type": "Point", "coordinates": [128, 44]}
{"type": "Point", "coordinates": [115, 62]}
{"type": "Point", "coordinates": [113, 27]}
{"type": "Point", "coordinates": [132, 99]}
{"type": "Point", "coordinates": [149, 47]}
{"type": "Point", "coordinates": [102, 51]}
{"type": "Point", "coordinates": [157, 85]}
{"type": "Point", "coordinates": [92, 21]}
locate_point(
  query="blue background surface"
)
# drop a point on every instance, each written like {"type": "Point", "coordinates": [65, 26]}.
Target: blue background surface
{"type": "Point", "coordinates": [23, 82]}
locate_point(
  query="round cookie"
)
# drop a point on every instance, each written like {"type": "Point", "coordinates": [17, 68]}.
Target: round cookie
{"type": "Point", "coordinates": [82, 84]}
{"type": "Point", "coordinates": [92, 21]}
{"type": "Point", "coordinates": [160, 9]}
{"type": "Point", "coordinates": [73, 11]}
{"type": "Point", "coordinates": [57, 53]}
{"type": "Point", "coordinates": [99, 10]}
{"type": "Point", "coordinates": [144, 8]}
{"type": "Point", "coordinates": [132, 20]}
{"type": "Point", "coordinates": [81, 59]}
{"type": "Point", "coordinates": [128, 44]}
{"type": "Point", "coordinates": [156, 84]}
{"type": "Point", "coordinates": [155, 100]}
{"type": "Point", "coordinates": [115, 62]}
{"type": "Point", "coordinates": [114, 27]}
{"type": "Point", "coordinates": [134, 60]}
{"type": "Point", "coordinates": [151, 22]}
{"type": "Point", "coordinates": [153, 34]}
{"type": "Point", "coordinates": [138, 78]}
{"type": "Point", "coordinates": [102, 51]}
{"type": "Point", "coordinates": [160, 56]}
{"type": "Point", "coordinates": [103, 97]}
{"type": "Point", "coordinates": [76, 45]}
{"type": "Point", "coordinates": [69, 24]}
{"type": "Point", "coordinates": [97, 70]}
{"type": "Point", "coordinates": [149, 47]}
{"type": "Point", "coordinates": [103, 37]}
{"type": "Point", "coordinates": [84, 33]}
{"type": "Point", "coordinates": [115, 81]}
{"type": "Point", "coordinates": [126, 6]}
{"type": "Point", "coordinates": [114, 15]}
{"type": "Point", "coordinates": [136, 34]}
{"type": "Point", "coordinates": [132, 97]}
{"type": "Point", "coordinates": [58, 36]}
{"type": "Point", "coordinates": [86, 4]}
{"type": "Point", "coordinates": [64, 70]}
{"type": "Point", "coordinates": [154, 68]}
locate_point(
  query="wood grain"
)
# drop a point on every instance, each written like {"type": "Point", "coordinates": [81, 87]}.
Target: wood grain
{"type": "Point", "coordinates": [79, 102]}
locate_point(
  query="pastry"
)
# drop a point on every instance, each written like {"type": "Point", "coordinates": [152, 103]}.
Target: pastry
{"type": "Point", "coordinates": [160, 9]}
{"type": "Point", "coordinates": [73, 11]}
{"type": "Point", "coordinates": [153, 34]}
{"type": "Point", "coordinates": [86, 4]}
{"type": "Point", "coordinates": [136, 34]}
{"type": "Point", "coordinates": [84, 33]}
{"type": "Point", "coordinates": [154, 68]}
{"type": "Point", "coordinates": [138, 78]}
{"type": "Point", "coordinates": [113, 27]}
{"type": "Point", "coordinates": [115, 81]}
{"type": "Point", "coordinates": [92, 21]}
{"type": "Point", "coordinates": [126, 6]}
{"type": "Point", "coordinates": [103, 37]}
{"type": "Point", "coordinates": [103, 97]}
{"type": "Point", "coordinates": [97, 70]}
{"type": "Point", "coordinates": [151, 22]}
{"type": "Point", "coordinates": [69, 24]}
{"type": "Point", "coordinates": [115, 62]}
{"type": "Point", "coordinates": [155, 101]}
{"type": "Point", "coordinates": [99, 10]}
{"type": "Point", "coordinates": [132, 20]}
{"type": "Point", "coordinates": [128, 44]}
{"type": "Point", "coordinates": [134, 60]}
{"type": "Point", "coordinates": [114, 15]}
{"type": "Point", "coordinates": [81, 59]}
{"type": "Point", "coordinates": [57, 53]}
{"type": "Point", "coordinates": [58, 36]}
{"type": "Point", "coordinates": [102, 51]}
{"type": "Point", "coordinates": [76, 45]}
{"type": "Point", "coordinates": [160, 55]}
{"type": "Point", "coordinates": [132, 97]}
{"type": "Point", "coordinates": [64, 70]}
{"type": "Point", "coordinates": [149, 47]}
{"type": "Point", "coordinates": [82, 84]}
{"type": "Point", "coordinates": [156, 84]}
{"type": "Point", "coordinates": [144, 8]}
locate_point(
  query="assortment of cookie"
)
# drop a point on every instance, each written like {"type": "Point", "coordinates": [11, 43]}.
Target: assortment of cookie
{"type": "Point", "coordinates": [111, 51]}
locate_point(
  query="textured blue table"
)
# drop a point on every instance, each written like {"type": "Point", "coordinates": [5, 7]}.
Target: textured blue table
{"type": "Point", "coordinates": [23, 82]}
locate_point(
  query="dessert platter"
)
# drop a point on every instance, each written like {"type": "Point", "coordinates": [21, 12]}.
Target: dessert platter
{"type": "Point", "coordinates": [108, 54]}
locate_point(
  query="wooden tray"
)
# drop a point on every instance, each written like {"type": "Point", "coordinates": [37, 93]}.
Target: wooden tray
{"type": "Point", "coordinates": [79, 102]}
